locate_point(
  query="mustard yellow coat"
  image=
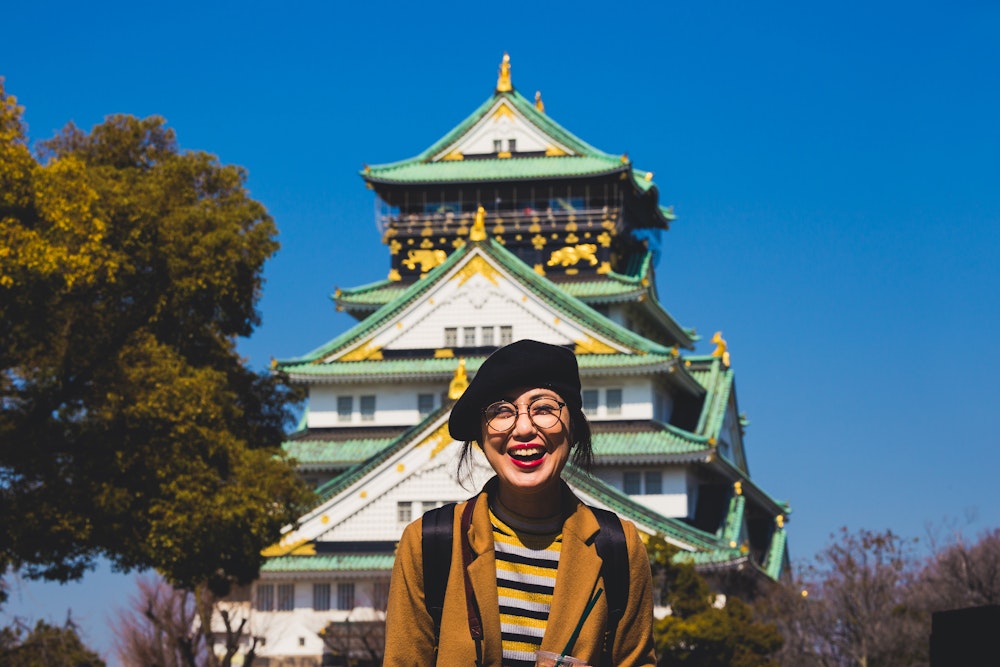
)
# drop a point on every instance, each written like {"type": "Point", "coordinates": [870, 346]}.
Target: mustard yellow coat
{"type": "Point", "coordinates": [410, 630]}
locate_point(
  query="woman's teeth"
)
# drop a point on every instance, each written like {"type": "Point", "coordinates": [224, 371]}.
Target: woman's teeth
{"type": "Point", "coordinates": [527, 453]}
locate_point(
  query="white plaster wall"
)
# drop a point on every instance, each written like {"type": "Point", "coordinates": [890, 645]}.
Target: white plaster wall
{"type": "Point", "coordinates": [284, 629]}
{"type": "Point", "coordinates": [673, 502]}
{"type": "Point", "coordinates": [637, 398]}
{"type": "Point", "coordinates": [395, 404]}
{"type": "Point", "coordinates": [502, 126]}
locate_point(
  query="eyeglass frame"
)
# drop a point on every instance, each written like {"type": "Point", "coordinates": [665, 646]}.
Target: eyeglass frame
{"type": "Point", "coordinates": [517, 413]}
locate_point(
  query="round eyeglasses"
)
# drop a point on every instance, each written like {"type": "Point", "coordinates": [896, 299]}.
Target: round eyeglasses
{"type": "Point", "coordinates": [543, 412]}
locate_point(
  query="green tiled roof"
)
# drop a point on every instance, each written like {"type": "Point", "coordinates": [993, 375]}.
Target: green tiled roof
{"type": "Point", "coordinates": [336, 454]}
{"type": "Point", "coordinates": [348, 562]}
{"type": "Point", "coordinates": [527, 168]}
{"type": "Point", "coordinates": [733, 526]}
{"type": "Point", "coordinates": [775, 560]}
{"type": "Point", "coordinates": [628, 508]}
{"type": "Point", "coordinates": [585, 160]}
{"type": "Point", "coordinates": [565, 305]}
{"type": "Point", "coordinates": [670, 441]}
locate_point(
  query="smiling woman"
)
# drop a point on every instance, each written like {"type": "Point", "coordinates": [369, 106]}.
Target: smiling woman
{"type": "Point", "coordinates": [526, 572]}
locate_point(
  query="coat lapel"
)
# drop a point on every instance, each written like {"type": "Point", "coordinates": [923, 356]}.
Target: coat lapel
{"type": "Point", "coordinates": [576, 581]}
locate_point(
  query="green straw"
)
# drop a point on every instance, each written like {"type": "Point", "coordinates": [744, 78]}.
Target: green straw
{"type": "Point", "coordinates": [579, 626]}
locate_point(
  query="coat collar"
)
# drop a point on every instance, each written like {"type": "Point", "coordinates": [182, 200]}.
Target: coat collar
{"type": "Point", "coordinates": [572, 593]}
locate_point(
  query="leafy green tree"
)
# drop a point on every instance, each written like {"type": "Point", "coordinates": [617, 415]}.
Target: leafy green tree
{"type": "Point", "coordinates": [45, 646]}
{"type": "Point", "coordinates": [130, 427]}
{"type": "Point", "coordinates": [704, 629]}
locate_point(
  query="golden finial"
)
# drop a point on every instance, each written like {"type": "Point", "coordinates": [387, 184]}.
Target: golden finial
{"type": "Point", "coordinates": [503, 81]}
{"type": "Point", "coordinates": [538, 101]}
{"type": "Point", "coordinates": [738, 488]}
{"type": "Point", "coordinates": [478, 231]}
{"type": "Point", "coordinates": [459, 383]}
{"type": "Point", "coordinates": [624, 158]}
{"type": "Point", "coordinates": [780, 520]}
{"type": "Point", "coordinates": [649, 176]}
{"type": "Point", "coordinates": [720, 348]}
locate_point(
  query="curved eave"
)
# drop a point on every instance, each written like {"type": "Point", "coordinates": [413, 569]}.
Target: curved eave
{"type": "Point", "coordinates": [492, 170]}
{"type": "Point", "coordinates": [437, 369]}
{"type": "Point", "coordinates": [750, 489]}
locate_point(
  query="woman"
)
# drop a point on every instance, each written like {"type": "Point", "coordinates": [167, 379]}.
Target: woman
{"type": "Point", "coordinates": [530, 542]}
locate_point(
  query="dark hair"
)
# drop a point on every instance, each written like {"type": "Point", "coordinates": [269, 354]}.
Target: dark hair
{"type": "Point", "coordinates": [583, 450]}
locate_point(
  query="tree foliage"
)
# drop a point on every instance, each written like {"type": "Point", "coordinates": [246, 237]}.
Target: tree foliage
{"type": "Point", "coordinates": [45, 646]}
{"type": "Point", "coordinates": [130, 427]}
{"type": "Point", "coordinates": [700, 630]}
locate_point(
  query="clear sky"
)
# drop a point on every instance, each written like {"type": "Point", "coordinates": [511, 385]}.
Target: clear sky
{"type": "Point", "coordinates": [834, 171]}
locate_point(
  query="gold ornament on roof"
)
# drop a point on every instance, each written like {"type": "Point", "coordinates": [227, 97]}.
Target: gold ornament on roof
{"type": "Point", "coordinates": [459, 383]}
{"type": "Point", "coordinates": [738, 488]}
{"type": "Point", "coordinates": [538, 101]}
{"type": "Point", "coordinates": [720, 348]}
{"type": "Point", "coordinates": [780, 520]}
{"type": "Point", "coordinates": [571, 255]}
{"type": "Point", "coordinates": [503, 81]}
{"type": "Point", "coordinates": [478, 231]}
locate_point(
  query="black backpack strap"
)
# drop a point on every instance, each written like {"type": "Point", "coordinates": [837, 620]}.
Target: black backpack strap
{"type": "Point", "coordinates": [436, 539]}
{"type": "Point", "coordinates": [611, 547]}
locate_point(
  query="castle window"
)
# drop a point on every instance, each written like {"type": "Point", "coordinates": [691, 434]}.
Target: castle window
{"type": "Point", "coordinates": [512, 145]}
{"type": "Point", "coordinates": [488, 336]}
{"type": "Point", "coordinates": [321, 597]}
{"type": "Point", "coordinates": [428, 505]}
{"type": "Point", "coordinates": [286, 597]}
{"type": "Point", "coordinates": [367, 408]}
{"type": "Point", "coordinates": [633, 483]}
{"type": "Point", "coordinates": [425, 404]}
{"type": "Point", "coordinates": [497, 145]}
{"type": "Point", "coordinates": [451, 337]}
{"type": "Point", "coordinates": [614, 401]}
{"type": "Point", "coordinates": [345, 408]}
{"type": "Point", "coordinates": [404, 512]}
{"type": "Point", "coordinates": [654, 482]}
{"type": "Point", "coordinates": [265, 597]}
{"type": "Point", "coordinates": [469, 336]}
{"type": "Point", "coordinates": [506, 335]}
{"type": "Point", "coordinates": [590, 401]}
{"type": "Point", "coordinates": [345, 595]}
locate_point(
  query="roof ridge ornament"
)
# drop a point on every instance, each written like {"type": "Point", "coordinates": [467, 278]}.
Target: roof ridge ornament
{"type": "Point", "coordinates": [503, 81]}
{"type": "Point", "coordinates": [538, 101]}
{"type": "Point", "coordinates": [721, 348]}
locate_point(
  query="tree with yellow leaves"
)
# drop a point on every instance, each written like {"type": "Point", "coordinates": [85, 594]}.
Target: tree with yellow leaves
{"type": "Point", "coordinates": [130, 428]}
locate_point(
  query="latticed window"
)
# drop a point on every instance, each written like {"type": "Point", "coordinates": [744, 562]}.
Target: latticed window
{"type": "Point", "coordinates": [321, 597]}
{"type": "Point", "coordinates": [345, 595]}
{"type": "Point", "coordinates": [451, 337]}
{"type": "Point", "coordinates": [590, 401]}
{"type": "Point", "coordinates": [654, 482]}
{"type": "Point", "coordinates": [404, 512]}
{"type": "Point", "coordinates": [614, 400]}
{"type": "Point", "coordinates": [345, 406]}
{"type": "Point", "coordinates": [506, 335]}
{"type": "Point", "coordinates": [367, 408]}
{"type": "Point", "coordinates": [488, 336]}
{"type": "Point", "coordinates": [425, 404]}
{"type": "Point", "coordinates": [633, 483]}
{"type": "Point", "coordinates": [265, 597]}
{"type": "Point", "coordinates": [428, 505]}
{"type": "Point", "coordinates": [469, 336]}
{"type": "Point", "coordinates": [286, 597]}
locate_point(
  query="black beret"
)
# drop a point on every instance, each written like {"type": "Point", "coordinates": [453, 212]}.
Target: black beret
{"type": "Point", "coordinates": [525, 363]}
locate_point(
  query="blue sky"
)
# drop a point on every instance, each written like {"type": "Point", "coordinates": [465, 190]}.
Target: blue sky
{"type": "Point", "coordinates": [834, 170]}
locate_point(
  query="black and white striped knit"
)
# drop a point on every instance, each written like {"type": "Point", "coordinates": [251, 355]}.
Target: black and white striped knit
{"type": "Point", "coordinates": [527, 558]}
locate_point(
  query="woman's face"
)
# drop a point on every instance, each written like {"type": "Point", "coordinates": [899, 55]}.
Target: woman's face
{"type": "Point", "coordinates": [526, 456]}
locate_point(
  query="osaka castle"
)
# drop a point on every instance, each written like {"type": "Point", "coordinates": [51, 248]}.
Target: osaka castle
{"type": "Point", "coordinates": [507, 227]}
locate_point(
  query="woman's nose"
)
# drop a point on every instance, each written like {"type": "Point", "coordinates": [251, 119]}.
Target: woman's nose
{"type": "Point", "coordinates": [523, 423]}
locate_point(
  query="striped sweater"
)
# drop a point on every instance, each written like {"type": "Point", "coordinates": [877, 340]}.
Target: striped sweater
{"type": "Point", "coordinates": [527, 560]}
